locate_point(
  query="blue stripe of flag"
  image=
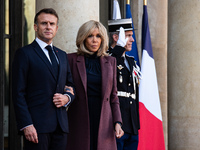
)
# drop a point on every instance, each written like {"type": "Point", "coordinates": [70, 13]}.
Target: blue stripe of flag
{"type": "Point", "coordinates": [134, 51]}
{"type": "Point", "coordinates": [146, 38]}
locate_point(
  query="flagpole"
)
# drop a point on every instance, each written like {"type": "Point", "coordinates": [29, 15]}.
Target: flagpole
{"type": "Point", "coordinates": [145, 2]}
{"type": "Point", "coordinates": [128, 2]}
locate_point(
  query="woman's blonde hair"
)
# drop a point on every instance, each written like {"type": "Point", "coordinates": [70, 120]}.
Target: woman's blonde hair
{"type": "Point", "coordinates": [84, 31]}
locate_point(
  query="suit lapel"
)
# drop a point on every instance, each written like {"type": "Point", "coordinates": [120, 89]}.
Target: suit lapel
{"type": "Point", "coordinates": [44, 58]}
{"type": "Point", "coordinates": [82, 70]}
{"type": "Point", "coordinates": [104, 74]}
{"type": "Point", "coordinates": [60, 59]}
{"type": "Point", "coordinates": [131, 63]}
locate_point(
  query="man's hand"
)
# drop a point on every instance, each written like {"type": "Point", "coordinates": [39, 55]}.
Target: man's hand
{"type": "Point", "coordinates": [60, 100]}
{"type": "Point", "coordinates": [122, 38]}
{"type": "Point", "coordinates": [69, 89]}
{"type": "Point", "coordinates": [31, 134]}
{"type": "Point", "coordinates": [118, 131]}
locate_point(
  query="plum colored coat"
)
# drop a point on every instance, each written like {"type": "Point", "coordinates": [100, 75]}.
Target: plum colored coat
{"type": "Point", "coordinates": [79, 127]}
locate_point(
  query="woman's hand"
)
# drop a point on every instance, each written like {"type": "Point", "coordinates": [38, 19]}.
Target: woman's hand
{"type": "Point", "coordinates": [69, 89]}
{"type": "Point", "coordinates": [118, 131]}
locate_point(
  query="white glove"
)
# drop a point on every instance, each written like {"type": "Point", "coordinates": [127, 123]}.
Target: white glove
{"type": "Point", "coordinates": [122, 39]}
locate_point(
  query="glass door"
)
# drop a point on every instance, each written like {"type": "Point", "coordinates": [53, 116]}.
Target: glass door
{"type": "Point", "coordinates": [16, 30]}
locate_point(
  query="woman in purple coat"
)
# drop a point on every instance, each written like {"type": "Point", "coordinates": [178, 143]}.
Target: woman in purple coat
{"type": "Point", "coordinates": [94, 116]}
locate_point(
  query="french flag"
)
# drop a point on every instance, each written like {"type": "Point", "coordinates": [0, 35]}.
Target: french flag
{"type": "Point", "coordinates": [151, 135]}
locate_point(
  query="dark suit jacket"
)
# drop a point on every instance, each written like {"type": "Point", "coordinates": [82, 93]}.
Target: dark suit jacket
{"type": "Point", "coordinates": [79, 135]}
{"type": "Point", "coordinates": [34, 85]}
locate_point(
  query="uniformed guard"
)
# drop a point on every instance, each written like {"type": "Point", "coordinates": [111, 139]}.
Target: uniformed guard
{"type": "Point", "coordinates": [128, 75]}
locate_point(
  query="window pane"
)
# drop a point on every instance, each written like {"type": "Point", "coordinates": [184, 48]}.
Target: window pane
{"type": "Point", "coordinates": [29, 13]}
{"type": "Point", "coordinates": [6, 16]}
{"type": "Point", "coordinates": [6, 77]}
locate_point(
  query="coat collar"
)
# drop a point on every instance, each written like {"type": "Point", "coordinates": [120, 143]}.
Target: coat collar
{"type": "Point", "coordinates": [104, 74]}
{"type": "Point", "coordinates": [82, 70]}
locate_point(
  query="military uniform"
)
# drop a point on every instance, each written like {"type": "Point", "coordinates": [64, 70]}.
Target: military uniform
{"type": "Point", "coordinates": [127, 85]}
{"type": "Point", "coordinates": [128, 74]}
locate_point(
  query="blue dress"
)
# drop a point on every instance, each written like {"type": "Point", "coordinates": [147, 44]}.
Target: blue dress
{"type": "Point", "coordinates": [93, 70]}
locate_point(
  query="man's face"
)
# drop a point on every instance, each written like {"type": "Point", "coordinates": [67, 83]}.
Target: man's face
{"type": "Point", "coordinates": [128, 34]}
{"type": "Point", "coordinates": [46, 27]}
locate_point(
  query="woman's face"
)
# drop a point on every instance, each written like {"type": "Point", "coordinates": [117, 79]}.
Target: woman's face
{"type": "Point", "coordinates": [93, 41]}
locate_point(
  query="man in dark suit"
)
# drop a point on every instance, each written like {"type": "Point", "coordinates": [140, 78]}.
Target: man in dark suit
{"type": "Point", "coordinates": [40, 73]}
{"type": "Point", "coordinates": [127, 81]}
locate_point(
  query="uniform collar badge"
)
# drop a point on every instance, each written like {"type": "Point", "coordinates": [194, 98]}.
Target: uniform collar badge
{"type": "Point", "coordinates": [120, 67]}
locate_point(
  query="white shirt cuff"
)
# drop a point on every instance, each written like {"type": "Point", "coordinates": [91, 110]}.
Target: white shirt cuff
{"type": "Point", "coordinates": [25, 127]}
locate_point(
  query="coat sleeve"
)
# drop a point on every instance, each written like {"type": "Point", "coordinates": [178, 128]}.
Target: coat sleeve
{"type": "Point", "coordinates": [69, 81]}
{"type": "Point", "coordinates": [117, 51]}
{"type": "Point", "coordinates": [19, 83]}
{"type": "Point", "coordinates": [114, 98]}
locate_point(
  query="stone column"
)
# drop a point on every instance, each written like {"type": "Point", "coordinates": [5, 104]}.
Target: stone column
{"type": "Point", "coordinates": [72, 14]}
{"type": "Point", "coordinates": [184, 74]}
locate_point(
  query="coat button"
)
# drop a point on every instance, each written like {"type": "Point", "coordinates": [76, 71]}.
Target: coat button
{"type": "Point", "coordinates": [129, 84]}
{"type": "Point", "coordinates": [131, 102]}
